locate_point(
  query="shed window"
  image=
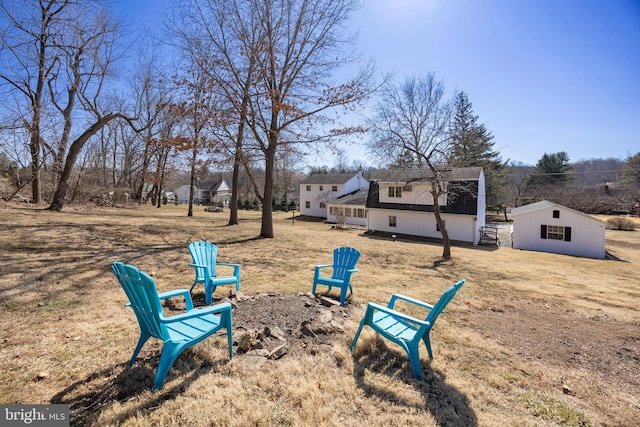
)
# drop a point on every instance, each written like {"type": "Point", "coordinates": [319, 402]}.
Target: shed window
{"type": "Point", "coordinates": [308, 188]}
{"type": "Point", "coordinates": [334, 188]}
{"type": "Point", "coordinates": [556, 213]}
{"type": "Point", "coordinates": [307, 205]}
{"type": "Point", "coordinates": [555, 232]}
{"type": "Point", "coordinates": [392, 221]}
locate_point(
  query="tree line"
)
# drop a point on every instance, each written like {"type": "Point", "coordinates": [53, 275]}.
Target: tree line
{"type": "Point", "coordinates": [250, 87]}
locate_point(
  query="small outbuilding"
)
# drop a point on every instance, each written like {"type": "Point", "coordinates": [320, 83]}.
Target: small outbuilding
{"type": "Point", "coordinates": [549, 227]}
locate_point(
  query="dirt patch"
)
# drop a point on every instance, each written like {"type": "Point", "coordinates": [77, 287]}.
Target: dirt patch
{"type": "Point", "coordinates": [535, 330]}
{"type": "Point", "coordinates": [288, 313]}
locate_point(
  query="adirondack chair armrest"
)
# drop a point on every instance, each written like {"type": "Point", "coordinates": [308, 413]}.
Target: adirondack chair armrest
{"type": "Point", "coordinates": [197, 265]}
{"type": "Point", "coordinates": [197, 312]}
{"type": "Point", "coordinates": [236, 267]}
{"type": "Point", "coordinates": [414, 301]}
{"type": "Point", "coordinates": [177, 293]}
{"type": "Point", "coordinates": [318, 268]}
{"type": "Point", "coordinates": [353, 270]}
{"type": "Point", "coordinates": [396, 313]}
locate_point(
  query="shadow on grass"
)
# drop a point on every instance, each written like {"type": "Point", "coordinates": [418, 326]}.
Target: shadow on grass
{"type": "Point", "coordinates": [88, 397]}
{"type": "Point", "coordinates": [448, 405]}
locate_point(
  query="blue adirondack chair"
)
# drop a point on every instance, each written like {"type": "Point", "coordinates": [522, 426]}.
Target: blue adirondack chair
{"type": "Point", "coordinates": [177, 332]}
{"type": "Point", "coordinates": [405, 330]}
{"type": "Point", "coordinates": [204, 256]}
{"type": "Point", "coordinates": [344, 263]}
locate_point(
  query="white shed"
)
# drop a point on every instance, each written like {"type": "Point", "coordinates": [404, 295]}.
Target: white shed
{"type": "Point", "coordinates": [548, 227]}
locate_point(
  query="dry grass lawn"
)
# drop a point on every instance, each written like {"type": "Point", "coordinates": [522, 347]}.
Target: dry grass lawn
{"type": "Point", "coordinates": [532, 339]}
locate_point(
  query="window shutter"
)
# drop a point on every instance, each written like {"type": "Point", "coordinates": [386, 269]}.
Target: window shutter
{"type": "Point", "coordinates": [567, 234]}
{"type": "Point", "coordinates": [543, 231]}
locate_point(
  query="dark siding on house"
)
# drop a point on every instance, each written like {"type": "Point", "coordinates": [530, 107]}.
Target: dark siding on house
{"type": "Point", "coordinates": [461, 202]}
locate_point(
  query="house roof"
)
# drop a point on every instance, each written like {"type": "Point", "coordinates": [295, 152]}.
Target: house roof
{"type": "Point", "coordinates": [211, 184]}
{"type": "Point", "coordinates": [329, 178]}
{"type": "Point", "coordinates": [358, 197]}
{"type": "Point", "coordinates": [413, 175]}
{"type": "Point", "coordinates": [544, 205]}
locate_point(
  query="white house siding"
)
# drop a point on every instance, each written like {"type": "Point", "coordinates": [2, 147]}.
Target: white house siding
{"type": "Point", "coordinates": [352, 218]}
{"type": "Point", "coordinates": [587, 233]}
{"type": "Point", "coordinates": [320, 194]}
{"type": "Point", "coordinates": [317, 198]}
{"type": "Point", "coordinates": [460, 227]}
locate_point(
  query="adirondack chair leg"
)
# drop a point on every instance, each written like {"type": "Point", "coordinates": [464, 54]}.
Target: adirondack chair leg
{"type": "Point", "coordinates": [366, 318]}
{"type": "Point", "coordinates": [226, 320]}
{"type": "Point", "coordinates": [169, 355]}
{"type": "Point", "coordinates": [427, 342]}
{"type": "Point", "coordinates": [343, 295]}
{"type": "Point", "coordinates": [414, 358]}
{"type": "Point", "coordinates": [355, 338]}
{"type": "Point", "coordinates": [141, 341]}
{"type": "Point", "coordinates": [208, 292]}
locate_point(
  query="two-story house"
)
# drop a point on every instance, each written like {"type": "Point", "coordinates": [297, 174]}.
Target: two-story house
{"type": "Point", "coordinates": [213, 191]}
{"type": "Point", "coordinates": [401, 202]}
{"type": "Point", "coordinates": [317, 191]}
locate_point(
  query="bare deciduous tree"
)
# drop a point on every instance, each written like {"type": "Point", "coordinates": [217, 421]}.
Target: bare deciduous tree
{"type": "Point", "coordinates": [413, 117]}
{"type": "Point", "coordinates": [274, 61]}
{"type": "Point", "coordinates": [56, 60]}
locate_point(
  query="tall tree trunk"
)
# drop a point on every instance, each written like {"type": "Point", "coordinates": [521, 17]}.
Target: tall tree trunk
{"type": "Point", "coordinates": [74, 151]}
{"type": "Point", "coordinates": [34, 148]}
{"type": "Point", "coordinates": [192, 182]}
{"type": "Point", "coordinates": [267, 208]}
{"type": "Point", "coordinates": [446, 243]}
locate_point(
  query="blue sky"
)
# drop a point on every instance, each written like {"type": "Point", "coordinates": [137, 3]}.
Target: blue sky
{"type": "Point", "coordinates": [543, 75]}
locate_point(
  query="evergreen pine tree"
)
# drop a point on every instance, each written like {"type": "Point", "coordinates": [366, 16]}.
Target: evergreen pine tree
{"type": "Point", "coordinates": [473, 146]}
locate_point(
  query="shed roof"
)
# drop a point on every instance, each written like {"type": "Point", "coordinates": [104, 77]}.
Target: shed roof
{"type": "Point", "coordinates": [544, 205]}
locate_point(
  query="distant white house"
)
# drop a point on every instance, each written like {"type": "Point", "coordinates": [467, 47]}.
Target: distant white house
{"type": "Point", "coordinates": [548, 227]}
{"type": "Point", "coordinates": [319, 190]}
{"type": "Point", "coordinates": [401, 203]}
{"type": "Point", "coordinates": [214, 191]}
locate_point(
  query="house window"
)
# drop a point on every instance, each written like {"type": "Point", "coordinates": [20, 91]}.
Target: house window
{"type": "Point", "coordinates": [307, 205]}
{"type": "Point", "coordinates": [322, 205]}
{"type": "Point", "coordinates": [555, 232]}
{"type": "Point", "coordinates": [395, 191]}
{"type": "Point", "coordinates": [392, 221]}
{"type": "Point", "coordinates": [334, 188]}
{"type": "Point", "coordinates": [321, 188]}
{"type": "Point", "coordinates": [556, 213]}
{"type": "Point", "coordinates": [359, 213]}
{"type": "Point", "coordinates": [308, 188]}
{"type": "Point", "coordinates": [347, 211]}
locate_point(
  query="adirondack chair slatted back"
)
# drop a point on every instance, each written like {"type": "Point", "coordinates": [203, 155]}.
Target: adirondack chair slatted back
{"type": "Point", "coordinates": [143, 297]}
{"type": "Point", "coordinates": [344, 259]}
{"type": "Point", "coordinates": [204, 253]}
{"type": "Point", "coordinates": [445, 299]}
{"type": "Point", "coordinates": [344, 263]}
